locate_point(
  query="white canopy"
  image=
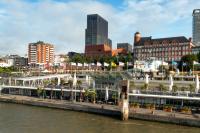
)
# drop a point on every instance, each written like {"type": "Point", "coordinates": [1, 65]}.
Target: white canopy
{"type": "Point", "coordinates": [171, 83]}
{"type": "Point", "coordinates": [197, 83]}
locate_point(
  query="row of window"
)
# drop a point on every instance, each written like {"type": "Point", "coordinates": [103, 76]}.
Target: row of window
{"type": "Point", "coordinates": [164, 44]}
{"type": "Point", "coordinates": [164, 53]}
{"type": "Point", "coordinates": [163, 58]}
{"type": "Point", "coordinates": [161, 49]}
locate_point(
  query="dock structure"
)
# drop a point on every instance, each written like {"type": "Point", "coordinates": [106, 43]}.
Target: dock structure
{"type": "Point", "coordinates": [33, 81]}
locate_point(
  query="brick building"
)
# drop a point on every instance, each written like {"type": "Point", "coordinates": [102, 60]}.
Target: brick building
{"type": "Point", "coordinates": [166, 49]}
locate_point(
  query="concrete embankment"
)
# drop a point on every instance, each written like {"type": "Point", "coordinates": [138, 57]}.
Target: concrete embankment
{"type": "Point", "coordinates": [59, 104]}
{"type": "Point", "coordinates": [185, 120]}
{"type": "Point", "coordinates": [109, 110]}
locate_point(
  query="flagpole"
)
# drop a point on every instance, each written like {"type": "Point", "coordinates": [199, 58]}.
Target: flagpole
{"type": "Point", "coordinates": [75, 88]}
{"type": "Point", "coordinates": [193, 68]}
{"type": "Point", "coordinates": [182, 70]}
{"type": "Point", "coordinates": [162, 68]}
{"type": "Point", "coordinates": [127, 65]}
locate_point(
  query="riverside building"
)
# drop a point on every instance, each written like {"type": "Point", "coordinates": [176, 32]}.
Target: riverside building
{"type": "Point", "coordinates": [165, 49]}
{"type": "Point", "coordinates": [97, 42]}
{"type": "Point", "coordinates": [40, 53]}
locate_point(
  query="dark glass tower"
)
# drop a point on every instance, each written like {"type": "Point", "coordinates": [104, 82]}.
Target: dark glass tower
{"type": "Point", "coordinates": [97, 30]}
{"type": "Point", "coordinates": [196, 26]}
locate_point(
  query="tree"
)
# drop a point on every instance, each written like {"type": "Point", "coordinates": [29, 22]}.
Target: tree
{"type": "Point", "coordinates": [188, 59]}
{"type": "Point", "coordinates": [198, 56]}
{"type": "Point", "coordinates": [79, 83]}
{"type": "Point", "coordinates": [132, 85]}
{"type": "Point", "coordinates": [191, 87]}
{"type": "Point", "coordinates": [145, 86]}
{"type": "Point", "coordinates": [70, 82]}
{"type": "Point", "coordinates": [114, 97]}
{"type": "Point", "coordinates": [162, 87]}
{"type": "Point", "coordinates": [175, 88]}
{"type": "Point", "coordinates": [46, 82]}
{"type": "Point", "coordinates": [39, 91]}
{"type": "Point", "coordinates": [93, 94]}
{"type": "Point", "coordinates": [78, 58]}
{"type": "Point", "coordinates": [129, 57]}
{"type": "Point", "coordinates": [86, 94]}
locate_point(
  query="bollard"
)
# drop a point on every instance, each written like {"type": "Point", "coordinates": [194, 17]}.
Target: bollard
{"type": "Point", "coordinates": [124, 110]}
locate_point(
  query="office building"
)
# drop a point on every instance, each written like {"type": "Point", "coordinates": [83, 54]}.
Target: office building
{"type": "Point", "coordinates": [97, 42]}
{"type": "Point", "coordinates": [196, 27]}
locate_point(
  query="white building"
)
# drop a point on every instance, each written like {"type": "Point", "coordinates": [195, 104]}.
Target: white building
{"type": "Point", "coordinates": [60, 60]}
{"type": "Point", "coordinates": [4, 64]}
{"type": "Point", "coordinates": [151, 65]}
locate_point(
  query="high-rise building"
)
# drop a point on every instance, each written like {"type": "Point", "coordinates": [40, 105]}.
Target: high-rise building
{"type": "Point", "coordinates": [96, 36]}
{"type": "Point", "coordinates": [40, 53]}
{"type": "Point", "coordinates": [196, 27]}
{"type": "Point", "coordinates": [97, 30]}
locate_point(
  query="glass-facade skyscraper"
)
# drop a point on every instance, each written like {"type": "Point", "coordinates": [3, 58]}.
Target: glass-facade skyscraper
{"type": "Point", "coordinates": [96, 32]}
{"type": "Point", "coordinates": [196, 27]}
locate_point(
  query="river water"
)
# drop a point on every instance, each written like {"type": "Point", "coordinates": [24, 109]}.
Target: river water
{"type": "Point", "coordinates": [16, 118]}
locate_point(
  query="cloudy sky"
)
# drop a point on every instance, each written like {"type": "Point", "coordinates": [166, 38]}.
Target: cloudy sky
{"type": "Point", "coordinates": [63, 22]}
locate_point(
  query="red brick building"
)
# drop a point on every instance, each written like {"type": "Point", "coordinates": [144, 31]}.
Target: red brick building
{"type": "Point", "coordinates": [97, 50]}
{"type": "Point", "coordinates": [166, 49]}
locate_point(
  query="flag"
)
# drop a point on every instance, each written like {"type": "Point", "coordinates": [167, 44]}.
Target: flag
{"type": "Point", "coordinates": [73, 64]}
{"type": "Point", "coordinates": [129, 64]}
{"type": "Point", "coordinates": [121, 64]}
{"type": "Point", "coordinates": [105, 64]}
{"type": "Point", "coordinates": [98, 64]}
{"type": "Point", "coordinates": [196, 63]}
{"type": "Point", "coordinates": [92, 64]}
{"type": "Point", "coordinates": [85, 64]}
{"type": "Point", "coordinates": [174, 63]}
{"type": "Point", "coordinates": [184, 64]}
{"type": "Point", "coordinates": [113, 64]}
{"type": "Point", "coordinates": [79, 64]}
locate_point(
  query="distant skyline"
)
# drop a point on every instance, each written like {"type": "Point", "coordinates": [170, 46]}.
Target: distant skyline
{"type": "Point", "coordinates": [63, 22]}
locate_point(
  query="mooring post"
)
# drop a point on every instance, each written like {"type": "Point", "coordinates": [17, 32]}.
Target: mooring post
{"type": "Point", "coordinates": [124, 99]}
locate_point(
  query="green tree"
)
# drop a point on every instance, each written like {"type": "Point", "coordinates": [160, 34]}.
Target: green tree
{"type": "Point", "coordinates": [39, 91]}
{"type": "Point", "coordinates": [175, 88]}
{"type": "Point", "coordinates": [79, 83]}
{"type": "Point", "coordinates": [129, 57]}
{"type": "Point", "coordinates": [92, 94]}
{"type": "Point", "coordinates": [191, 87]}
{"type": "Point", "coordinates": [145, 86]}
{"type": "Point", "coordinates": [188, 59]}
{"type": "Point", "coordinates": [162, 87]}
{"type": "Point", "coordinates": [70, 83]}
{"type": "Point", "coordinates": [86, 94]}
{"type": "Point", "coordinates": [198, 56]}
{"type": "Point", "coordinates": [78, 58]}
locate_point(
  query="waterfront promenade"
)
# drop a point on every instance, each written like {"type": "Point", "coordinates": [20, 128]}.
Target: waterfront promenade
{"type": "Point", "coordinates": [109, 110]}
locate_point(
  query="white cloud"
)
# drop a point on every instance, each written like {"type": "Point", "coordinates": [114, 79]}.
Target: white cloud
{"type": "Point", "coordinates": [64, 23]}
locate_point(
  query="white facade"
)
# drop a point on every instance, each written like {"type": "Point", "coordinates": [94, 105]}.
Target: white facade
{"type": "Point", "coordinates": [150, 65]}
{"type": "Point", "coordinates": [4, 64]}
{"type": "Point", "coordinates": [59, 60]}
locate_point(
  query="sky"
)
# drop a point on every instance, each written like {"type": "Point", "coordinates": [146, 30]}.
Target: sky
{"type": "Point", "coordinates": [63, 22]}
